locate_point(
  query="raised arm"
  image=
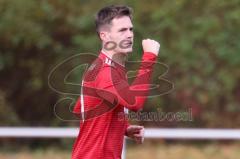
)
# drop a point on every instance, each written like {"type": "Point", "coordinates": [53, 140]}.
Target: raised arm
{"type": "Point", "coordinates": [130, 96]}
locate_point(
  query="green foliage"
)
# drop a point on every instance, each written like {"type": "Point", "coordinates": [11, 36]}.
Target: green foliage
{"type": "Point", "coordinates": [199, 42]}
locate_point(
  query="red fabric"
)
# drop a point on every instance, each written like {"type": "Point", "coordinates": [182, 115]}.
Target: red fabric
{"type": "Point", "coordinates": [105, 83]}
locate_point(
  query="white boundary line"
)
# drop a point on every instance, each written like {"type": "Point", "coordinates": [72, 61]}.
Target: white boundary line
{"type": "Point", "coordinates": [166, 133]}
{"type": "Point", "coordinates": [38, 132]}
{"type": "Point", "coordinates": [169, 133]}
{"type": "Point", "coordinates": [179, 133]}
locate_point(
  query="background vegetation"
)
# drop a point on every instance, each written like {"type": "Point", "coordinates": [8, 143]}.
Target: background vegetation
{"type": "Point", "coordinates": [200, 44]}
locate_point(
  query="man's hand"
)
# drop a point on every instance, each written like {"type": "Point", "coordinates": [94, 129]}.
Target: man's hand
{"type": "Point", "coordinates": [136, 133]}
{"type": "Point", "coordinates": [151, 46]}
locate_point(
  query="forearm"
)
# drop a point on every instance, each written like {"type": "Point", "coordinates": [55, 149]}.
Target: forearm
{"type": "Point", "coordinates": [139, 89]}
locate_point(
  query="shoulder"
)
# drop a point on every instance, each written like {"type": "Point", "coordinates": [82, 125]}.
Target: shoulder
{"type": "Point", "coordinates": [99, 69]}
{"type": "Point", "coordinates": [107, 72]}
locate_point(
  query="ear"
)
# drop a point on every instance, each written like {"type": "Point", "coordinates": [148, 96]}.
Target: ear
{"type": "Point", "coordinates": [104, 36]}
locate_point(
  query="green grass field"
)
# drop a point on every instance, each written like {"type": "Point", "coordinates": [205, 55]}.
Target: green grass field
{"type": "Point", "coordinates": [145, 151]}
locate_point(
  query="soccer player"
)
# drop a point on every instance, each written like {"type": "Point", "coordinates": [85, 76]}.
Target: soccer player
{"type": "Point", "coordinates": [105, 92]}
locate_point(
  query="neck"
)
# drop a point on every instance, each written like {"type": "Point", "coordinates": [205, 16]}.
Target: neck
{"type": "Point", "coordinates": [119, 58]}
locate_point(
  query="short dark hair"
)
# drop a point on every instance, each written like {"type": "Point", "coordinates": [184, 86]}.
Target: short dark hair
{"type": "Point", "coordinates": [107, 14]}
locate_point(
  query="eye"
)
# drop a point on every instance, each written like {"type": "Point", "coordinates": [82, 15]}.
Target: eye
{"type": "Point", "coordinates": [122, 30]}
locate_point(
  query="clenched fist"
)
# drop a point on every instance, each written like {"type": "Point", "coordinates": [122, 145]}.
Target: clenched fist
{"type": "Point", "coordinates": [151, 46]}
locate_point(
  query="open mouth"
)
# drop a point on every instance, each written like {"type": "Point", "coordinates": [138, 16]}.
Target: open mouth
{"type": "Point", "coordinates": [129, 43]}
{"type": "Point", "coordinates": [125, 44]}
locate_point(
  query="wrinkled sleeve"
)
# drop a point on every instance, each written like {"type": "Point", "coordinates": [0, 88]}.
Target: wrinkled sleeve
{"type": "Point", "coordinates": [113, 88]}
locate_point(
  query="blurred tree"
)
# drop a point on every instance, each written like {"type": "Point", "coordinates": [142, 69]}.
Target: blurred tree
{"type": "Point", "coordinates": [199, 42]}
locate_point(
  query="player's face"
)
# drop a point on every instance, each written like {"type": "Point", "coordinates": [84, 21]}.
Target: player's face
{"type": "Point", "coordinates": [121, 32]}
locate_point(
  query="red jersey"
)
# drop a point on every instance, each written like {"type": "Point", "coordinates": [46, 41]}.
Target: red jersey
{"type": "Point", "coordinates": [105, 93]}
